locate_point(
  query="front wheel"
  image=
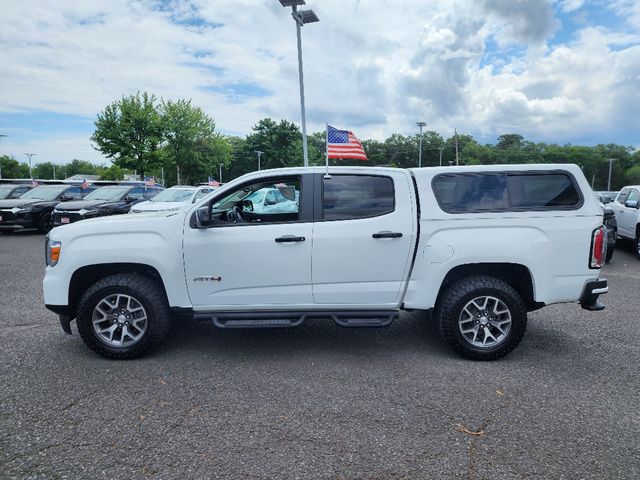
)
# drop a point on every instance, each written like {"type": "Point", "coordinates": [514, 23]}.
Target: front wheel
{"type": "Point", "coordinates": [636, 246]}
{"type": "Point", "coordinates": [482, 318]}
{"type": "Point", "coordinates": [45, 222]}
{"type": "Point", "coordinates": [123, 316]}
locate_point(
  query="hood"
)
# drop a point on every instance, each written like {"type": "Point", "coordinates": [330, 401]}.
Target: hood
{"type": "Point", "coordinates": [19, 202]}
{"type": "Point", "coordinates": [159, 206]}
{"type": "Point", "coordinates": [86, 204]}
{"type": "Point", "coordinates": [115, 225]}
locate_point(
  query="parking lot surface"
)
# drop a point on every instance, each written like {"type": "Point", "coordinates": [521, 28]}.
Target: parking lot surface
{"type": "Point", "coordinates": [319, 401]}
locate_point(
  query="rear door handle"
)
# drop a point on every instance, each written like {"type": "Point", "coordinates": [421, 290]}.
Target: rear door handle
{"type": "Point", "coordinates": [289, 239]}
{"type": "Point", "coordinates": [387, 235]}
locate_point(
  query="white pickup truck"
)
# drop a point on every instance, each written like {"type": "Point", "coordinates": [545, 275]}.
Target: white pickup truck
{"type": "Point", "coordinates": [476, 247]}
{"type": "Point", "coordinates": [626, 207]}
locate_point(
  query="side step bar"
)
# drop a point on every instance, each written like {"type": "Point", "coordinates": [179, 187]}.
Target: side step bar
{"type": "Point", "coordinates": [353, 318]}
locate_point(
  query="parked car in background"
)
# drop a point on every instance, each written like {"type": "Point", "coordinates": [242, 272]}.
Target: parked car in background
{"type": "Point", "coordinates": [607, 197]}
{"type": "Point", "coordinates": [9, 191]}
{"type": "Point", "coordinates": [33, 209]}
{"type": "Point", "coordinates": [173, 198]}
{"type": "Point", "coordinates": [610, 223]}
{"type": "Point", "coordinates": [625, 208]}
{"type": "Point", "coordinates": [110, 200]}
{"type": "Point", "coordinates": [272, 200]}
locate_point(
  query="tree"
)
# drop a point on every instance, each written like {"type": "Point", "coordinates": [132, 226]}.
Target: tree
{"type": "Point", "coordinates": [192, 144]}
{"type": "Point", "coordinates": [11, 168]}
{"type": "Point", "coordinates": [130, 132]}
{"type": "Point", "coordinates": [281, 143]}
{"type": "Point", "coordinates": [509, 140]}
{"type": "Point", "coordinates": [113, 172]}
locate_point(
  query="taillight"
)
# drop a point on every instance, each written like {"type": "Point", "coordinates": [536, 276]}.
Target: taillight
{"type": "Point", "coordinates": [598, 247]}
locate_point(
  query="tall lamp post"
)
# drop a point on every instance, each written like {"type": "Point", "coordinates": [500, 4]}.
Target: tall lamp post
{"type": "Point", "coordinates": [610, 160]}
{"type": "Point", "coordinates": [259, 154]}
{"type": "Point", "coordinates": [30, 169]}
{"type": "Point", "coordinates": [1, 135]}
{"type": "Point", "coordinates": [301, 17]}
{"type": "Point", "coordinates": [420, 124]}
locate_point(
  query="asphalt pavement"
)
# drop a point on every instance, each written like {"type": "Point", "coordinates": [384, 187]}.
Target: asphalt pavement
{"type": "Point", "coordinates": [319, 401]}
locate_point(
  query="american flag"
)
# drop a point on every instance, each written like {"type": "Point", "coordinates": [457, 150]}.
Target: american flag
{"type": "Point", "coordinates": [213, 183]}
{"type": "Point", "coordinates": [85, 184]}
{"type": "Point", "coordinates": [343, 144]}
{"type": "Point", "coordinates": [149, 181]}
{"type": "Point", "coordinates": [34, 183]}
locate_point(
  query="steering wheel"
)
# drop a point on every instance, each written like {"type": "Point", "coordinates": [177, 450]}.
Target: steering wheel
{"type": "Point", "coordinates": [234, 215]}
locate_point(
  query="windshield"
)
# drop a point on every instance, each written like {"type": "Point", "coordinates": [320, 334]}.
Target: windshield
{"type": "Point", "coordinates": [105, 193]}
{"type": "Point", "coordinates": [174, 195]}
{"type": "Point", "coordinates": [48, 192]}
{"type": "Point", "coordinates": [5, 190]}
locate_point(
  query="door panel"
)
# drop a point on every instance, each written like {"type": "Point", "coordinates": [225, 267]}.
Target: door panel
{"type": "Point", "coordinates": [253, 256]}
{"type": "Point", "coordinates": [363, 261]}
{"type": "Point", "coordinates": [253, 269]}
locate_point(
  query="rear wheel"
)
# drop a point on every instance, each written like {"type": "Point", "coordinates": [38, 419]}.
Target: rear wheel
{"type": "Point", "coordinates": [45, 222]}
{"type": "Point", "coordinates": [636, 246]}
{"type": "Point", "coordinates": [123, 316]}
{"type": "Point", "coordinates": [482, 318]}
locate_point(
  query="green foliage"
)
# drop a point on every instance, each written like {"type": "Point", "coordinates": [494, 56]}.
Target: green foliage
{"type": "Point", "coordinates": [11, 168]}
{"type": "Point", "coordinates": [192, 148]}
{"type": "Point", "coordinates": [114, 172]}
{"type": "Point", "coordinates": [129, 131]}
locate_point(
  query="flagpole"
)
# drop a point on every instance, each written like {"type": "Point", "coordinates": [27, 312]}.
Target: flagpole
{"type": "Point", "coordinates": [326, 150]}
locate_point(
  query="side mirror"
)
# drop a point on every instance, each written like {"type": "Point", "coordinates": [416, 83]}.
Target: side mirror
{"type": "Point", "coordinates": [202, 217]}
{"type": "Point", "coordinates": [631, 203]}
{"type": "Point", "coordinates": [606, 199]}
{"type": "Point", "coordinates": [269, 202]}
{"type": "Point", "coordinates": [128, 199]}
{"type": "Point", "coordinates": [64, 198]}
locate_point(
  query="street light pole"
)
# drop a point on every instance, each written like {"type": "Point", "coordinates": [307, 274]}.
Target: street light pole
{"type": "Point", "coordinates": [1, 136]}
{"type": "Point", "coordinates": [220, 173]}
{"type": "Point", "coordinates": [259, 153]}
{"type": "Point", "coordinates": [610, 160]}
{"type": "Point", "coordinates": [301, 17]}
{"type": "Point", "coordinates": [30, 169]}
{"type": "Point", "coordinates": [441, 149]}
{"type": "Point", "coordinates": [420, 124]}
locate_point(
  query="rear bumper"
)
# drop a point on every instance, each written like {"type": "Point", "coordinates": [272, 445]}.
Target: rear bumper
{"type": "Point", "coordinates": [592, 290]}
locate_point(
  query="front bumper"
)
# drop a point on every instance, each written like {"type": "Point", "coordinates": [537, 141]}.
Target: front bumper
{"type": "Point", "coordinates": [592, 290]}
{"type": "Point", "coordinates": [62, 217]}
{"type": "Point", "coordinates": [13, 221]}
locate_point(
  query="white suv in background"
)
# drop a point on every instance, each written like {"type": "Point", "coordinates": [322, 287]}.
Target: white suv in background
{"type": "Point", "coordinates": [173, 198]}
{"type": "Point", "coordinates": [627, 214]}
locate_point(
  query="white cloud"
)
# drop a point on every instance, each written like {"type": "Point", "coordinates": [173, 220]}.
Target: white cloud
{"type": "Point", "coordinates": [376, 67]}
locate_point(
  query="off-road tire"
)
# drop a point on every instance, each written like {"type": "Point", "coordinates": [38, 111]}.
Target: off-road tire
{"type": "Point", "coordinates": [453, 300]}
{"type": "Point", "coordinates": [147, 292]}
{"type": "Point", "coordinates": [45, 222]}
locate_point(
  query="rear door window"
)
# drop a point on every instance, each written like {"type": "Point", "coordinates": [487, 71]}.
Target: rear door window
{"type": "Point", "coordinates": [136, 193]}
{"type": "Point", "coordinates": [73, 192]}
{"type": "Point", "coordinates": [357, 196]}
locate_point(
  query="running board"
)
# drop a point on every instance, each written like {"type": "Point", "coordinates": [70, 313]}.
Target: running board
{"type": "Point", "coordinates": [287, 319]}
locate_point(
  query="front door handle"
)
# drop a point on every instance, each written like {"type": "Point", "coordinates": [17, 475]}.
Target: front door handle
{"type": "Point", "coordinates": [387, 235]}
{"type": "Point", "coordinates": [289, 239]}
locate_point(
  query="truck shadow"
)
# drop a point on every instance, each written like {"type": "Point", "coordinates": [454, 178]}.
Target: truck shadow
{"type": "Point", "coordinates": [413, 332]}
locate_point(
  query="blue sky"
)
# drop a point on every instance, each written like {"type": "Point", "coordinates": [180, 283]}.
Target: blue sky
{"type": "Point", "coordinates": [565, 71]}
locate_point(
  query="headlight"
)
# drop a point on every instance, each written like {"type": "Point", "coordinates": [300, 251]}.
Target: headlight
{"type": "Point", "coordinates": [53, 252]}
{"type": "Point", "coordinates": [15, 210]}
{"type": "Point", "coordinates": [84, 211]}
